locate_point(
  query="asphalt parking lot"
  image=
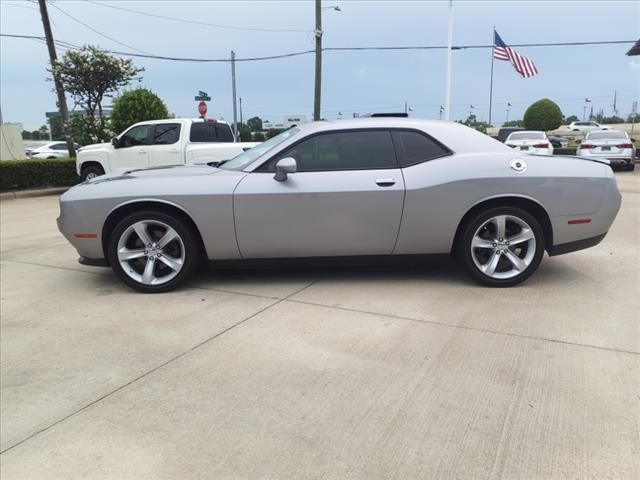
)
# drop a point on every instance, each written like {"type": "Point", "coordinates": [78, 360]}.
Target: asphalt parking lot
{"type": "Point", "coordinates": [379, 372]}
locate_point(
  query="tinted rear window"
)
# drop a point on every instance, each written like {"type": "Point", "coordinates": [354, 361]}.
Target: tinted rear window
{"type": "Point", "coordinates": [612, 134]}
{"type": "Point", "coordinates": [527, 136]}
{"type": "Point", "coordinates": [210, 132]}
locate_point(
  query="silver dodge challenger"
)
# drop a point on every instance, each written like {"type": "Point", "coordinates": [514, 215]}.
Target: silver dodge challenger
{"type": "Point", "coordinates": [363, 187]}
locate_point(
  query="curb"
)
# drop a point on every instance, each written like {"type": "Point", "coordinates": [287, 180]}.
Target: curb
{"type": "Point", "coordinates": [41, 192]}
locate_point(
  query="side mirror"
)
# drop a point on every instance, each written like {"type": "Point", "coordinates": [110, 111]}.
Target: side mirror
{"type": "Point", "coordinates": [284, 167]}
{"type": "Point", "coordinates": [115, 142]}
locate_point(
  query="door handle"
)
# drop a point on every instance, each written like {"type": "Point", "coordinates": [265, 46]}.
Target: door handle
{"type": "Point", "coordinates": [140, 152]}
{"type": "Point", "coordinates": [386, 182]}
{"type": "Point", "coordinates": [173, 151]}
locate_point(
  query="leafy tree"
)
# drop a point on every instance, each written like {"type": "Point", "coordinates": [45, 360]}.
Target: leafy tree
{"type": "Point", "coordinates": [90, 75]}
{"type": "Point", "coordinates": [258, 137]}
{"type": "Point", "coordinates": [272, 132]}
{"type": "Point", "coordinates": [244, 132]}
{"type": "Point", "coordinates": [473, 122]}
{"type": "Point", "coordinates": [26, 135]}
{"type": "Point", "coordinates": [255, 124]}
{"type": "Point", "coordinates": [570, 119]}
{"type": "Point", "coordinates": [608, 120]}
{"type": "Point", "coordinates": [514, 123]}
{"type": "Point", "coordinates": [44, 132]}
{"type": "Point", "coordinates": [135, 106]}
{"type": "Point", "coordinates": [57, 128]}
{"type": "Point", "coordinates": [543, 115]}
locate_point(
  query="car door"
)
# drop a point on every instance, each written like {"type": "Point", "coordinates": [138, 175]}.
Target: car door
{"type": "Point", "coordinates": [132, 149]}
{"type": "Point", "coordinates": [164, 147]}
{"type": "Point", "coordinates": [346, 198]}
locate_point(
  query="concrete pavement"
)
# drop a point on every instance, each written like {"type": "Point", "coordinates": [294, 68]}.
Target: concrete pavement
{"type": "Point", "coordinates": [378, 372]}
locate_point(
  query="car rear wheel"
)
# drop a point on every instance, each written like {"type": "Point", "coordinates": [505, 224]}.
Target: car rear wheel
{"type": "Point", "coordinates": [502, 246]}
{"type": "Point", "coordinates": [152, 252]}
{"type": "Point", "coordinates": [91, 172]}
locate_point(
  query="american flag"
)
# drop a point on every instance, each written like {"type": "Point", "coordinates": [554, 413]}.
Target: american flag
{"type": "Point", "coordinates": [523, 65]}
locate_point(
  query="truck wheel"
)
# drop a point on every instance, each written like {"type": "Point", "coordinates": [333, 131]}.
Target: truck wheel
{"type": "Point", "coordinates": [90, 172]}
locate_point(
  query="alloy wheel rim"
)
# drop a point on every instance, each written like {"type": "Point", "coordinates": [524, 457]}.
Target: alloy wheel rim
{"type": "Point", "coordinates": [503, 247]}
{"type": "Point", "coordinates": [91, 175]}
{"type": "Point", "coordinates": [151, 252]}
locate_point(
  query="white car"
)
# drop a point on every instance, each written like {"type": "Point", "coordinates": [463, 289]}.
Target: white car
{"type": "Point", "coordinates": [47, 150]}
{"type": "Point", "coordinates": [158, 143]}
{"type": "Point", "coordinates": [585, 126]}
{"type": "Point", "coordinates": [530, 141]}
{"type": "Point", "coordinates": [613, 145]}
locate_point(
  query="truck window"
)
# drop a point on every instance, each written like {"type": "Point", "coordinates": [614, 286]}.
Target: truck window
{"type": "Point", "coordinates": [224, 133]}
{"type": "Point", "coordinates": [136, 136]}
{"type": "Point", "coordinates": [210, 132]}
{"type": "Point", "coordinates": [166, 134]}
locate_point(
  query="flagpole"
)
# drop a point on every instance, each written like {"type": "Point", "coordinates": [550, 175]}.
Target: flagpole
{"type": "Point", "coordinates": [447, 102]}
{"type": "Point", "coordinates": [493, 42]}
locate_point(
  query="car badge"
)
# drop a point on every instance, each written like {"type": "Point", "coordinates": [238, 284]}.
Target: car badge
{"type": "Point", "coordinates": [518, 165]}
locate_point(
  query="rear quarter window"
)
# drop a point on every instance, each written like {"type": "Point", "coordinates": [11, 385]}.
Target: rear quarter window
{"type": "Point", "coordinates": [415, 147]}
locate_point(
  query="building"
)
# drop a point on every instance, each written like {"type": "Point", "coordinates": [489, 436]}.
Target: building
{"type": "Point", "coordinates": [287, 122]}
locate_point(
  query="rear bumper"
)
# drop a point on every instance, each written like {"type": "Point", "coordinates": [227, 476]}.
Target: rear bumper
{"type": "Point", "coordinates": [575, 246]}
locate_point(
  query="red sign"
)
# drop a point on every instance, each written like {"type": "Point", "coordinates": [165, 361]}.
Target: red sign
{"type": "Point", "coordinates": [202, 108]}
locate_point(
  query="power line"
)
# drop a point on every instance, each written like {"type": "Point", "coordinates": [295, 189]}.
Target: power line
{"type": "Point", "coordinates": [328, 49]}
{"type": "Point", "coordinates": [96, 31]}
{"type": "Point", "coordinates": [196, 22]}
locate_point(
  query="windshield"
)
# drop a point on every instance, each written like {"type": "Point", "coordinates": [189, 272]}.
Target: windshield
{"type": "Point", "coordinates": [527, 136]}
{"type": "Point", "coordinates": [248, 157]}
{"type": "Point", "coordinates": [606, 135]}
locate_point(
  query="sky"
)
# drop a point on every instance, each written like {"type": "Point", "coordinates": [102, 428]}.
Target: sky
{"type": "Point", "coordinates": [360, 82]}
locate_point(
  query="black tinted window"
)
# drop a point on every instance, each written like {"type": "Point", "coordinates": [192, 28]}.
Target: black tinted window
{"type": "Point", "coordinates": [136, 136]}
{"type": "Point", "coordinates": [415, 147]}
{"type": "Point", "coordinates": [224, 133]}
{"type": "Point", "coordinates": [210, 132]}
{"type": "Point", "coordinates": [358, 150]}
{"type": "Point", "coordinates": [58, 146]}
{"type": "Point", "coordinates": [166, 134]}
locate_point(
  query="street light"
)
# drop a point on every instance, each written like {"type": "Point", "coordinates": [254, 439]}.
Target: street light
{"type": "Point", "coordinates": [318, 78]}
{"type": "Point", "coordinates": [508, 109]}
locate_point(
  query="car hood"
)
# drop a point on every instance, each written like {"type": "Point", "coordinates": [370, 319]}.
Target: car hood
{"type": "Point", "coordinates": [168, 171]}
{"type": "Point", "coordinates": [95, 146]}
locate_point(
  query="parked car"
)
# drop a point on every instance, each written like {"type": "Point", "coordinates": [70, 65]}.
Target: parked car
{"type": "Point", "coordinates": [613, 145]}
{"type": "Point", "coordinates": [46, 150]}
{"type": "Point", "coordinates": [585, 126]}
{"type": "Point", "coordinates": [558, 142]}
{"type": "Point", "coordinates": [530, 141]}
{"type": "Point", "coordinates": [504, 133]}
{"type": "Point", "coordinates": [160, 143]}
{"type": "Point", "coordinates": [377, 186]}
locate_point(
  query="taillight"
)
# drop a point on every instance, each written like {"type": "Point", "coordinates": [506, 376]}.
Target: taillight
{"type": "Point", "coordinates": [586, 146]}
{"type": "Point", "coordinates": [625, 145]}
{"type": "Point", "coordinates": [541, 145]}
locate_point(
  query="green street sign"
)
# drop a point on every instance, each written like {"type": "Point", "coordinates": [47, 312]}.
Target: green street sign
{"type": "Point", "coordinates": [202, 97]}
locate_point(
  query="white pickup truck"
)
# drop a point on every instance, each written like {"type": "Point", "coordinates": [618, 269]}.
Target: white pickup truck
{"type": "Point", "coordinates": [161, 142]}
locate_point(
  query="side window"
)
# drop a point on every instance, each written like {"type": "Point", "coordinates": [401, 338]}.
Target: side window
{"type": "Point", "coordinates": [205, 132]}
{"type": "Point", "coordinates": [58, 146]}
{"type": "Point", "coordinates": [224, 133]}
{"type": "Point", "coordinates": [136, 136]}
{"type": "Point", "coordinates": [355, 150]}
{"type": "Point", "coordinates": [415, 147]}
{"type": "Point", "coordinates": [166, 134]}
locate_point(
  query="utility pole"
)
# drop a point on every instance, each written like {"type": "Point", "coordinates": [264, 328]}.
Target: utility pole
{"type": "Point", "coordinates": [233, 91]}
{"type": "Point", "coordinates": [447, 101]}
{"type": "Point", "coordinates": [615, 95]}
{"type": "Point", "coordinates": [318, 79]}
{"type": "Point", "coordinates": [240, 98]}
{"type": "Point", "coordinates": [53, 57]}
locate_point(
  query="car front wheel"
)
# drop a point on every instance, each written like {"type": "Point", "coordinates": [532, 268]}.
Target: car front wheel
{"type": "Point", "coordinates": [502, 246]}
{"type": "Point", "coordinates": [152, 252]}
{"type": "Point", "coordinates": [91, 172]}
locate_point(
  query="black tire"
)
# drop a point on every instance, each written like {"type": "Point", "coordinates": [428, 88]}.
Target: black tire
{"type": "Point", "coordinates": [188, 248]}
{"type": "Point", "coordinates": [631, 167]}
{"type": "Point", "coordinates": [91, 171]}
{"type": "Point", "coordinates": [473, 224]}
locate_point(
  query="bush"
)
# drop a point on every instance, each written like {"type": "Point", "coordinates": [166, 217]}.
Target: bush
{"type": "Point", "coordinates": [37, 173]}
{"type": "Point", "coordinates": [135, 106]}
{"type": "Point", "coordinates": [564, 151]}
{"type": "Point", "coordinates": [543, 115]}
